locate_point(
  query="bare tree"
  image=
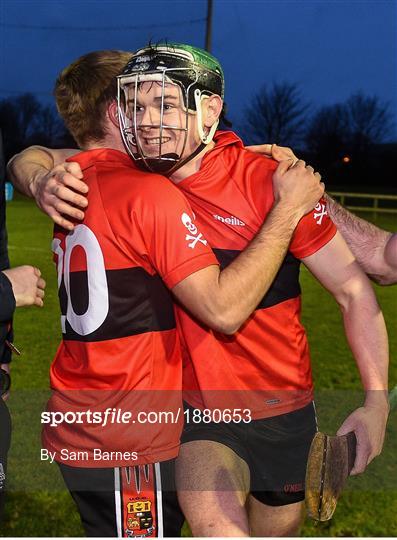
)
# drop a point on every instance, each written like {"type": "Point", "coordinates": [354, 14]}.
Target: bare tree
{"type": "Point", "coordinates": [341, 139]}
{"type": "Point", "coordinates": [25, 121]}
{"type": "Point", "coordinates": [370, 122]}
{"type": "Point", "coordinates": [9, 120]}
{"type": "Point", "coordinates": [327, 134]}
{"type": "Point", "coordinates": [18, 117]}
{"type": "Point", "coordinates": [48, 126]}
{"type": "Point", "coordinates": [28, 110]}
{"type": "Point", "coordinates": [276, 115]}
{"type": "Point", "coordinates": [349, 127]}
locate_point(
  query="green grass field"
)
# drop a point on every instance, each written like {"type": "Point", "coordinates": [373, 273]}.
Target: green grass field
{"type": "Point", "coordinates": [38, 505]}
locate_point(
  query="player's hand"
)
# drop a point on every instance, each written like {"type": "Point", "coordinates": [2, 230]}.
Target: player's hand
{"type": "Point", "coordinates": [60, 193]}
{"type": "Point", "coordinates": [27, 285]}
{"type": "Point", "coordinates": [369, 425]}
{"type": "Point", "coordinates": [278, 153]}
{"type": "Point", "coordinates": [6, 368]}
{"type": "Point", "coordinates": [297, 186]}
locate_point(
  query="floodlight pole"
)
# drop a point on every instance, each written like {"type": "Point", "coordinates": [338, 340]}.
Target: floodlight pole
{"type": "Point", "coordinates": [208, 30]}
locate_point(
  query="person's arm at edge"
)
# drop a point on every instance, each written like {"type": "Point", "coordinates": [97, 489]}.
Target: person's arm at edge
{"type": "Point", "coordinates": [374, 248]}
{"type": "Point", "coordinates": [335, 267]}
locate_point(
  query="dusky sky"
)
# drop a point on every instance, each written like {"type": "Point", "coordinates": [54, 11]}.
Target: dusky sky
{"type": "Point", "coordinates": [330, 48]}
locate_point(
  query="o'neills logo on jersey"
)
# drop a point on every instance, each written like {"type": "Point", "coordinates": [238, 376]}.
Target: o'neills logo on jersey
{"type": "Point", "coordinates": [232, 220]}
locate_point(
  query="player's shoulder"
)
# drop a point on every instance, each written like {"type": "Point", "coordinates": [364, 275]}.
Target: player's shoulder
{"type": "Point", "coordinates": [139, 192]}
{"type": "Point", "coordinates": [236, 155]}
{"type": "Point", "coordinates": [116, 169]}
{"type": "Point", "coordinates": [240, 161]}
{"type": "Point", "coordinates": [247, 158]}
{"type": "Point", "coordinates": [251, 172]}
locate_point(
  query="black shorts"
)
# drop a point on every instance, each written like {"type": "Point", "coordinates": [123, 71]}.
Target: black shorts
{"type": "Point", "coordinates": [275, 450]}
{"type": "Point", "coordinates": [5, 439]}
{"type": "Point", "coordinates": [137, 501]}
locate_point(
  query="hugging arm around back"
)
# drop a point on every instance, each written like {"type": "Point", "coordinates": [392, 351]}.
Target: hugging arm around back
{"type": "Point", "coordinates": [56, 186]}
{"type": "Point", "coordinates": [222, 300]}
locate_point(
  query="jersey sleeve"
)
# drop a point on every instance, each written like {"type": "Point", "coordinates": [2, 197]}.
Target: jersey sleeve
{"type": "Point", "coordinates": [176, 245]}
{"type": "Point", "coordinates": [313, 232]}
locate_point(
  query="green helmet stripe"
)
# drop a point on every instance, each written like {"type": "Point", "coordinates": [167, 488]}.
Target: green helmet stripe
{"type": "Point", "coordinates": [200, 56]}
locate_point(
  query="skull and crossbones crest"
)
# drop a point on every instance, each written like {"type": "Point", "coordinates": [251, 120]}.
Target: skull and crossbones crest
{"type": "Point", "coordinates": [194, 235]}
{"type": "Point", "coordinates": [320, 211]}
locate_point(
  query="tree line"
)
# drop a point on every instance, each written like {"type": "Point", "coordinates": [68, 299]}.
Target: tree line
{"type": "Point", "coordinates": [24, 121]}
{"type": "Point", "coordinates": [345, 141]}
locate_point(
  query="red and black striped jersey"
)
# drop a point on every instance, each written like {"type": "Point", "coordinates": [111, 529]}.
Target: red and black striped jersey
{"type": "Point", "coordinates": [266, 365]}
{"type": "Point", "coordinates": [120, 348]}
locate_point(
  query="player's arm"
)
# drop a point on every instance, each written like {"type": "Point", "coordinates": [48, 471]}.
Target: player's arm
{"type": "Point", "coordinates": [374, 248]}
{"type": "Point", "coordinates": [278, 153]}
{"type": "Point", "coordinates": [56, 186]}
{"type": "Point", "coordinates": [335, 267]}
{"type": "Point", "coordinates": [224, 300]}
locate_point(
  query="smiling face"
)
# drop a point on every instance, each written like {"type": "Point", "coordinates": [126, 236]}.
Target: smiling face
{"type": "Point", "coordinates": [169, 102]}
{"type": "Point", "coordinates": [162, 126]}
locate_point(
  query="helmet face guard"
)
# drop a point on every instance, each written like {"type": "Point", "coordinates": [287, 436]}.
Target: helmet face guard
{"type": "Point", "coordinates": [166, 66]}
{"type": "Point", "coordinates": [131, 129]}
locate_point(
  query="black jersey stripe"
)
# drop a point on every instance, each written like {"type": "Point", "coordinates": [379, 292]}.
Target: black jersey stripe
{"type": "Point", "coordinates": [285, 285]}
{"type": "Point", "coordinates": [138, 303]}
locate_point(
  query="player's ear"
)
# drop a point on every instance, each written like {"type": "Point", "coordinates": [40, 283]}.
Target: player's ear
{"type": "Point", "coordinates": [212, 106]}
{"type": "Point", "coordinates": [113, 113]}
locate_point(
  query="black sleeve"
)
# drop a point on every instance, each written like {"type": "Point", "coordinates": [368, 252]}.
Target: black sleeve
{"type": "Point", "coordinates": [4, 262]}
{"type": "Point", "coordinates": [7, 300]}
{"type": "Point", "coordinates": [7, 307]}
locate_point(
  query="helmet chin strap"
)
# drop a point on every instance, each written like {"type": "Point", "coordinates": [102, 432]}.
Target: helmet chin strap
{"type": "Point", "coordinates": [163, 166]}
{"type": "Point", "coordinates": [183, 162]}
{"type": "Point", "coordinates": [205, 138]}
{"type": "Point", "coordinates": [157, 165]}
